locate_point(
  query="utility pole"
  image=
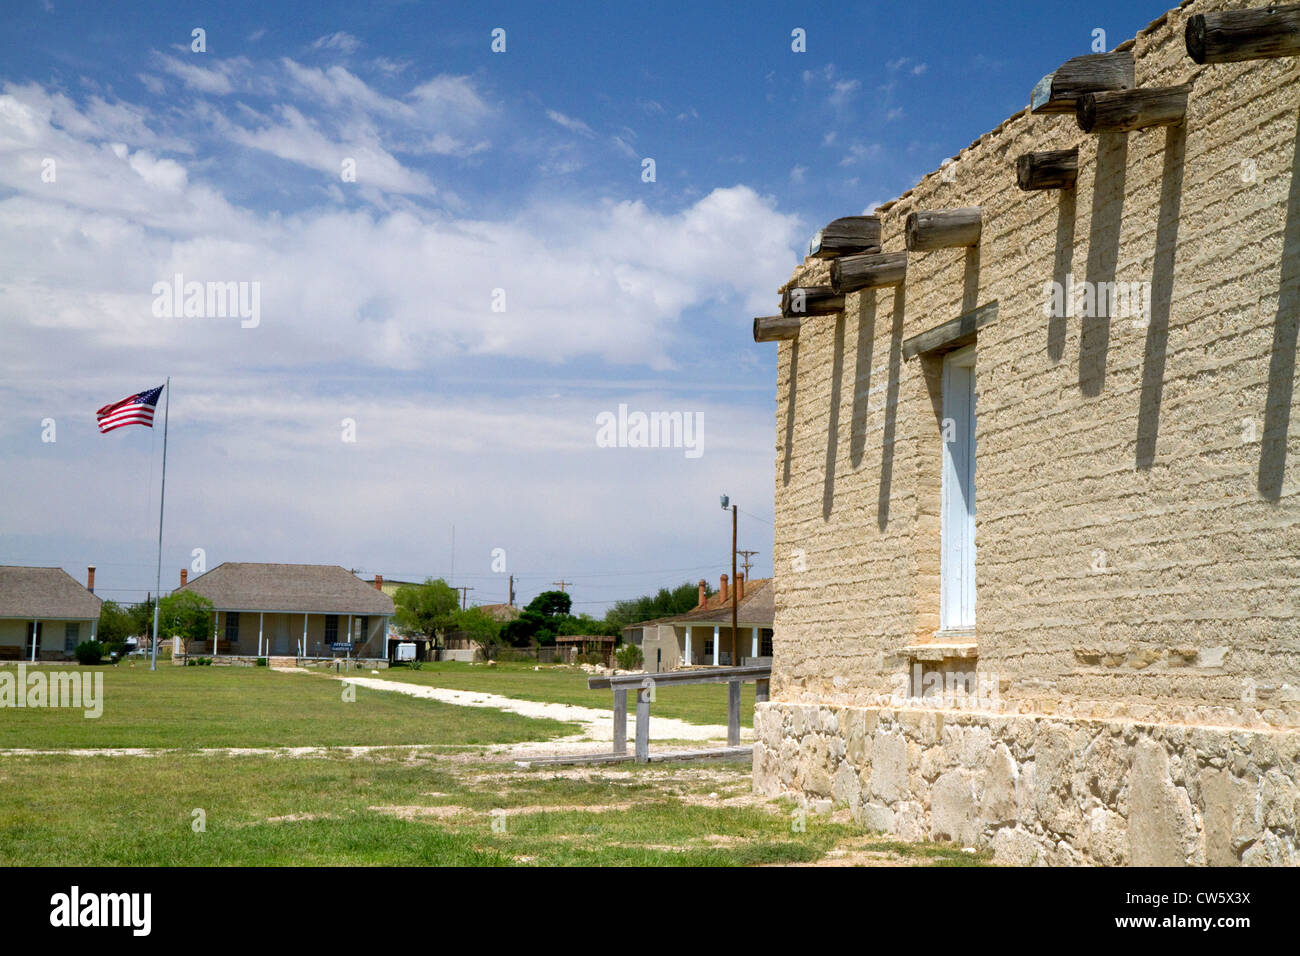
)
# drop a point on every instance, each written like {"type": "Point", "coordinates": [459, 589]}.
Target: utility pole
{"type": "Point", "coordinates": [511, 600]}
{"type": "Point", "coordinates": [464, 593]}
{"type": "Point", "coordinates": [561, 584]}
{"type": "Point", "coordinates": [747, 554]}
{"type": "Point", "coordinates": [733, 586]}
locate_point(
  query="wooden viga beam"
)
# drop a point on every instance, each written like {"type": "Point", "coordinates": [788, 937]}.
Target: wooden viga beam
{"type": "Point", "coordinates": [811, 300]}
{"type": "Point", "coordinates": [774, 328]}
{"type": "Point", "coordinates": [847, 236]}
{"type": "Point", "coordinates": [943, 229]}
{"type": "Point", "coordinates": [855, 273]}
{"type": "Point", "coordinates": [1128, 110]}
{"type": "Point", "coordinates": [1052, 169]}
{"type": "Point", "coordinates": [1227, 36]}
{"type": "Point", "coordinates": [1093, 73]}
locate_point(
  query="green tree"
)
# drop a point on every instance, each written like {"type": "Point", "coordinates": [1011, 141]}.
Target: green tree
{"type": "Point", "coordinates": [478, 625]}
{"type": "Point", "coordinates": [115, 623]}
{"type": "Point", "coordinates": [666, 603]}
{"type": "Point", "coordinates": [545, 616]}
{"type": "Point", "coordinates": [187, 614]}
{"type": "Point", "coordinates": [426, 610]}
{"type": "Point", "coordinates": [142, 617]}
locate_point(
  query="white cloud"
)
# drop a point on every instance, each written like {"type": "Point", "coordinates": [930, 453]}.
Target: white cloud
{"type": "Point", "coordinates": [569, 123]}
{"type": "Point", "coordinates": [341, 41]}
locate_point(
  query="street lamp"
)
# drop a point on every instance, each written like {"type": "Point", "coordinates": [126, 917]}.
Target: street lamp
{"type": "Point", "coordinates": [726, 500]}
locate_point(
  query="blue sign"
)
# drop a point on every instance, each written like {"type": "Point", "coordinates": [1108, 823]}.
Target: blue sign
{"type": "Point", "coordinates": [341, 646]}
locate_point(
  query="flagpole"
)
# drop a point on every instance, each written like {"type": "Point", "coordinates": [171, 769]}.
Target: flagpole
{"type": "Point", "coordinates": [162, 500]}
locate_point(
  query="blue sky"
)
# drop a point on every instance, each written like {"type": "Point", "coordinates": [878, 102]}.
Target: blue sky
{"type": "Point", "coordinates": [475, 171]}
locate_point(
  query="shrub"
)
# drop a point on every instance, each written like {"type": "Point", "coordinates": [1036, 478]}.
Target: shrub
{"type": "Point", "coordinates": [89, 652]}
{"type": "Point", "coordinates": [261, 662]}
{"type": "Point", "coordinates": [629, 657]}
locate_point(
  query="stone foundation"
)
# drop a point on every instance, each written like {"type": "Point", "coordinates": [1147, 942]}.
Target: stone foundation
{"type": "Point", "coordinates": [1044, 790]}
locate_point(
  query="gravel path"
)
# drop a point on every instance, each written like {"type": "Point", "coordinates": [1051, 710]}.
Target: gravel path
{"type": "Point", "coordinates": [597, 724]}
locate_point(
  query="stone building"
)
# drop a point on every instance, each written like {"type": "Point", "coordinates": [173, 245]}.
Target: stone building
{"type": "Point", "coordinates": [1037, 515]}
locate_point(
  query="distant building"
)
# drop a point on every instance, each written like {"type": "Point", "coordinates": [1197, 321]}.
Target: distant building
{"type": "Point", "coordinates": [45, 613]}
{"type": "Point", "coordinates": [298, 610]}
{"type": "Point", "coordinates": [702, 636]}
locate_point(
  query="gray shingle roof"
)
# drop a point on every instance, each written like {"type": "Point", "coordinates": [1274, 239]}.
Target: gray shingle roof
{"type": "Point", "coordinates": [318, 588]}
{"type": "Point", "coordinates": [756, 609]}
{"type": "Point", "coordinates": [48, 593]}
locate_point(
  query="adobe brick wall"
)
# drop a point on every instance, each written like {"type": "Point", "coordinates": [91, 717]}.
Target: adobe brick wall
{"type": "Point", "coordinates": [1093, 435]}
{"type": "Point", "coordinates": [1138, 524]}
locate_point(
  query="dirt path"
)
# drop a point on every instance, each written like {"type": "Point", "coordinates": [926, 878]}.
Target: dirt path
{"type": "Point", "coordinates": [597, 724]}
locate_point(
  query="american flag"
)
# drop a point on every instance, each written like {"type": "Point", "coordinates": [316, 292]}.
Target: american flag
{"type": "Point", "coordinates": [135, 410]}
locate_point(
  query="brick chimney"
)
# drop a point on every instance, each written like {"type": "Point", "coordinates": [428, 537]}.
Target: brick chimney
{"type": "Point", "coordinates": [90, 579]}
{"type": "Point", "coordinates": [379, 582]}
{"type": "Point", "coordinates": [740, 586]}
{"type": "Point", "coordinates": [723, 589]}
{"type": "Point", "coordinates": [704, 596]}
{"type": "Point", "coordinates": [185, 576]}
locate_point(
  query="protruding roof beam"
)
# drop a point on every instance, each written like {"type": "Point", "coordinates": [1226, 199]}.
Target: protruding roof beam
{"type": "Point", "coordinates": [844, 237]}
{"type": "Point", "coordinates": [855, 273]}
{"type": "Point", "coordinates": [811, 300]}
{"type": "Point", "coordinates": [943, 229]}
{"type": "Point", "coordinates": [1128, 110]}
{"type": "Point", "coordinates": [774, 328]}
{"type": "Point", "coordinates": [1227, 36]}
{"type": "Point", "coordinates": [1052, 169]}
{"type": "Point", "coordinates": [1093, 73]}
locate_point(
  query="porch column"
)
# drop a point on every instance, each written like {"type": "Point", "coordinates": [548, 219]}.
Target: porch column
{"type": "Point", "coordinates": [716, 642]}
{"type": "Point", "coordinates": [36, 638]}
{"type": "Point", "coordinates": [94, 630]}
{"type": "Point", "coordinates": [260, 616]}
{"type": "Point", "coordinates": [688, 645]}
{"type": "Point", "coordinates": [304, 635]}
{"type": "Point", "coordinates": [216, 617]}
{"type": "Point", "coordinates": [350, 629]}
{"type": "Point", "coordinates": [753, 645]}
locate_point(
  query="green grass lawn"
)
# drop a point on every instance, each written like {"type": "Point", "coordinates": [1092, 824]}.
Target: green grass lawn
{"type": "Point", "coordinates": [257, 707]}
{"type": "Point", "coordinates": [404, 808]}
{"type": "Point", "coordinates": [694, 703]}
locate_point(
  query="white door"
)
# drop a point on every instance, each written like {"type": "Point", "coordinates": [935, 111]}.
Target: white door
{"type": "Point", "coordinates": [957, 567]}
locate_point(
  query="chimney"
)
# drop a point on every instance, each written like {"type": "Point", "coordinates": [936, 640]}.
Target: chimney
{"type": "Point", "coordinates": [703, 593]}
{"type": "Point", "coordinates": [723, 589]}
{"type": "Point", "coordinates": [90, 579]}
{"type": "Point", "coordinates": [185, 576]}
{"type": "Point", "coordinates": [379, 582]}
{"type": "Point", "coordinates": [740, 586]}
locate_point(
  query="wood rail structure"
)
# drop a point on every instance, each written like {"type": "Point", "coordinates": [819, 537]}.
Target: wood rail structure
{"type": "Point", "coordinates": [644, 685]}
{"type": "Point", "coordinates": [1229, 36]}
{"type": "Point", "coordinates": [1092, 73]}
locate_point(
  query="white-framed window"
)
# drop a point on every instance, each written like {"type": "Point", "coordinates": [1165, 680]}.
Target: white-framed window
{"type": "Point", "coordinates": [957, 524]}
{"type": "Point", "coordinates": [71, 636]}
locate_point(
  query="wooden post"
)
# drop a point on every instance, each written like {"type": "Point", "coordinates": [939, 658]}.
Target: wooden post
{"type": "Point", "coordinates": [943, 229]}
{"type": "Point", "coordinates": [1129, 110]}
{"type": "Point", "coordinates": [1053, 169]}
{"type": "Point", "coordinates": [846, 236]}
{"type": "Point", "coordinates": [1227, 36]}
{"type": "Point", "coordinates": [854, 273]}
{"type": "Point", "coordinates": [620, 720]}
{"type": "Point", "coordinates": [733, 713]}
{"type": "Point", "coordinates": [771, 328]}
{"type": "Point", "coordinates": [762, 691]}
{"type": "Point", "coordinates": [811, 300]}
{"type": "Point", "coordinates": [642, 725]}
{"type": "Point", "coordinates": [1057, 92]}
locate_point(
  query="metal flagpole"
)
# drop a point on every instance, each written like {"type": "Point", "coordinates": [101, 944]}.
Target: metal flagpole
{"type": "Point", "coordinates": [162, 499]}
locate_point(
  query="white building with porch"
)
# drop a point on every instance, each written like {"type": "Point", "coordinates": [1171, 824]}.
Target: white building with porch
{"type": "Point", "coordinates": [703, 636]}
{"type": "Point", "coordinates": [291, 610]}
{"type": "Point", "coordinates": [45, 613]}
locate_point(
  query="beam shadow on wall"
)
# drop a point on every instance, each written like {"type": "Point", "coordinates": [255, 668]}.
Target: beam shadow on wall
{"type": "Point", "coordinates": [833, 419]}
{"type": "Point", "coordinates": [1281, 365]}
{"type": "Point", "coordinates": [1062, 267]}
{"type": "Point", "coordinates": [1103, 254]}
{"type": "Point", "coordinates": [891, 410]}
{"type": "Point", "coordinates": [862, 375]}
{"type": "Point", "coordinates": [791, 394]}
{"type": "Point", "coordinates": [1162, 293]}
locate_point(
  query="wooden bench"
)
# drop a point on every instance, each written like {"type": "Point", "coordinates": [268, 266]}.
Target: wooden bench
{"type": "Point", "coordinates": [644, 684]}
{"type": "Point", "coordinates": [10, 652]}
